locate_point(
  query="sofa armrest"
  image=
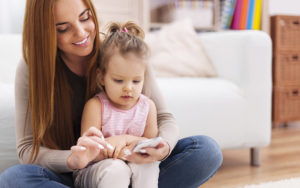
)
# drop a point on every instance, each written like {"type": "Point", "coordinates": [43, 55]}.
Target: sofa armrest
{"type": "Point", "coordinates": [245, 58]}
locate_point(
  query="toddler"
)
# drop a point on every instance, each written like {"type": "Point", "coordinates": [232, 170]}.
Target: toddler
{"type": "Point", "coordinates": [123, 114]}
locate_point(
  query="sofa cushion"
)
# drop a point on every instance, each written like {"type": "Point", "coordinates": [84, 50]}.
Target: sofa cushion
{"type": "Point", "coordinates": [8, 151]}
{"type": "Point", "coordinates": [208, 106]}
{"type": "Point", "coordinates": [176, 50]}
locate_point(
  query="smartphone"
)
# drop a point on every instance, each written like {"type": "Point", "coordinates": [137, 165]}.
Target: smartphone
{"type": "Point", "coordinates": [149, 143]}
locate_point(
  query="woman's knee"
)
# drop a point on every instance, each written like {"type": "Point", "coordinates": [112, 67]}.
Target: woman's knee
{"type": "Point", "coordinates": [18, 174]}
{"type": "Point", "coordinates": [210, 148]}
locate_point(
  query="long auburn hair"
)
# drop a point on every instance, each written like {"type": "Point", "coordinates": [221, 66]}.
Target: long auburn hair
{"type": "Point", "coordinates": [49, 105]}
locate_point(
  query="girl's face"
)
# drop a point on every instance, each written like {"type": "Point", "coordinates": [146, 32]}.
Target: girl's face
{"type": "Point", "coordinates": [75, 28]}
{"type": "Point", "coordinates": [124, 80]}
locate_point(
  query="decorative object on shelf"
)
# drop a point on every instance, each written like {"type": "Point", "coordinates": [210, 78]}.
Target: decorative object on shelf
{"type": "Point", "coordinates": [203, 13]}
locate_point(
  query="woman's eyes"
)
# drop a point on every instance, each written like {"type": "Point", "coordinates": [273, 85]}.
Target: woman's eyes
{"type": "Point", "coordinates": [87, 17]}
{"type": "Point", "coordinates": [62, 30]}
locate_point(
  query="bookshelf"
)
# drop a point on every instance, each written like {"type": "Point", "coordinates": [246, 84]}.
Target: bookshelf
{"type": "Point", "coordinates": [157, 16]}
{"type": "Point", "coordinates": [148, 13]}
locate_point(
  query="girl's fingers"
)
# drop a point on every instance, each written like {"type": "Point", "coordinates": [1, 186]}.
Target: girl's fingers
{"type": "Point", "coordinates": [117, 152]}
{"type": "Point", "coordinates": [110, 153]}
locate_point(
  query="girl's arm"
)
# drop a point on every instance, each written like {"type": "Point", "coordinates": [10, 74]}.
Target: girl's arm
{"type": "Point", "coordinates": [167, 126]}
{"type": "Point", "coordinates": [91, 115]}
{"type": "Point", "coordinates": [151, 129]}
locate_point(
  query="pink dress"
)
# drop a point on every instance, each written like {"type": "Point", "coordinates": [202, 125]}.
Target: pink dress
{"type": "Point", "coordinates": [118, 122]}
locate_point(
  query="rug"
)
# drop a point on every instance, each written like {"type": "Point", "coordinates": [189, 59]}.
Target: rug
{"type": "Point", "coordinates": [286, 183]}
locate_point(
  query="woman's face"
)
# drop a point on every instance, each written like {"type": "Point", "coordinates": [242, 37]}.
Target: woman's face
{"type": "Point", "coordinates": [75, 28]}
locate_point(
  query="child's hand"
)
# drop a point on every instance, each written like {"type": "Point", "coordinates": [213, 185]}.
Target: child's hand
{"type": "Point", "coordinates": [118, 142]}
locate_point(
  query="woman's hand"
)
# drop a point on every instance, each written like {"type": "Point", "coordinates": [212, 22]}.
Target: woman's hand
{"type": "Point", "coordinates": [88, 149]}
{"type": "Point", "coordinates": [150, 155]}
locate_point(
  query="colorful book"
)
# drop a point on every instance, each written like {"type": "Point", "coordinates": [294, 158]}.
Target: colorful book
{"type": "Point", "coordinates": [237, 15]}
{"type": "Point", "coordinates": [244, 13]}
{"type": "Point", "coordinates": [228, 7]}
{"type": "Point", "coordinates": [257, 15]}
{"type": "Point", "coordinates": [251, 14]}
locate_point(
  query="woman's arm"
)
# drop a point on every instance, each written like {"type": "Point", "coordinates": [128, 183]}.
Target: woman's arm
{"type": "Point", "coordinates": [167, 127]}
{"type": "Point", "coordinates": [53, 159]}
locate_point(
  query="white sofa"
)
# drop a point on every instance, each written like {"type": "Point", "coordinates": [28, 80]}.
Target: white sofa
{"type": "Point", "coordinates": [234, 108]}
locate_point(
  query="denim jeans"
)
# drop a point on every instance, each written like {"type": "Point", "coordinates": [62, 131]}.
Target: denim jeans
{"type": "Point", "coordinates": [192, 162]}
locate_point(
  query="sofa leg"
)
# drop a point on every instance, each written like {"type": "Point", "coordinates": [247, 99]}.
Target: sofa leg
{"type": "Point", "coordinates": [255, 156]}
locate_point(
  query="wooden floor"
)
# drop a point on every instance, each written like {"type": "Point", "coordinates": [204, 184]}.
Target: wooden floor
{"type": "Point", "coordinates": [280, 160]}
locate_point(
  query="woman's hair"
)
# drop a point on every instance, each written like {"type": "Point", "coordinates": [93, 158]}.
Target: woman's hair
{"type": "Point", "coordinates": [121, 39]}
{"type": "Point", "coordinates": [49, 105]}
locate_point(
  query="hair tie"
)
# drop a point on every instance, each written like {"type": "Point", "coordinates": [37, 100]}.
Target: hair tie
{"type": "Point", "coordinates": [125, 30]}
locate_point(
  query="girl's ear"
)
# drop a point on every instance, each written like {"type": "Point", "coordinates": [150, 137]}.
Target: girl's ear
{"type": "Point", "coordinates": [99, 77]}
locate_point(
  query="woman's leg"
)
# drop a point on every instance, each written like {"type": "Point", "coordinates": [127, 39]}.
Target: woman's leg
{"type": "Point", "coordinates": [29, 175]}
{"type": "Point", "coordinates": [192, 162]}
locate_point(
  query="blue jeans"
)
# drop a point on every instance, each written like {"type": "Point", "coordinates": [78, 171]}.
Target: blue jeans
{"type": "Point", "coordinates": [192, 162]}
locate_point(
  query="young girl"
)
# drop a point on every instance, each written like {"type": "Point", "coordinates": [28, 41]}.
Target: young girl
{"type": "Point", "coordinates": [120, 110]}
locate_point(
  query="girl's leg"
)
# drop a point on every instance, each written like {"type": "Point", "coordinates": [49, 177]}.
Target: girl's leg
{"type": "Point", "coordinates": [144, 175]}
{"type": "Point", "coordinates": [107, 173]}
{"type": "Point", "coordinates": [192, 162]}
{"type": "Point", "coordinates": [29, 175]}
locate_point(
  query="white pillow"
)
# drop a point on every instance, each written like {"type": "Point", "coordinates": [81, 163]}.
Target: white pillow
{"type": "Point", "coordinates": [176, 50]}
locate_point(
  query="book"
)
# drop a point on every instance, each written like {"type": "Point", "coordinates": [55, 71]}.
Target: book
{"type": "Point", "coordinates": [237, 15]}
{"type": "Point", "coordinates": [227, 11]}
{"type": "Point", "coordinates": [257, 15]}
{"type": "Point", "coordinates": [251, 14]}
{"type": "Point", "coordinates": [244, 14]}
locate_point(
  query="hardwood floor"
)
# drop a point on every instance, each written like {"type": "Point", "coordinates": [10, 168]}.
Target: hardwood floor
{"type": "Point", "coordinates": [280, 160]}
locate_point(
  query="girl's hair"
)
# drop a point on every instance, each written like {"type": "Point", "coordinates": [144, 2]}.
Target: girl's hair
{"type": "Point", "coordinates": [49, 105]}
{"type": "Point", "coordinates": [121, 39]}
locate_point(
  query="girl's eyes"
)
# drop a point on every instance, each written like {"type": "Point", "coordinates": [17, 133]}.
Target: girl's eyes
{"type": "Point", "coordinates": [121, 81]}
{"type": "Point", "coordinates": [118, 81]}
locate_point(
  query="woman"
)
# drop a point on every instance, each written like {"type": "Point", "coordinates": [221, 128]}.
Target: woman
{"type": "Point", "coordinates": [61, 47]}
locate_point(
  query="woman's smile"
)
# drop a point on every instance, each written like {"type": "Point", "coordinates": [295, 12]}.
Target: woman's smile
{"type": "Point", "coordinates": [83, 42]}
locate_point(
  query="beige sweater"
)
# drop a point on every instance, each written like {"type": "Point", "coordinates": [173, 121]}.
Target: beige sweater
{"type": "Point", "coordinates": [56, 159]}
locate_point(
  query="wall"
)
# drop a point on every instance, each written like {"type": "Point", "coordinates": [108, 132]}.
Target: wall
{"type": "Point", "coordinates": [11, 16]}
{"type": "Point", "coordinates": [291, 7]}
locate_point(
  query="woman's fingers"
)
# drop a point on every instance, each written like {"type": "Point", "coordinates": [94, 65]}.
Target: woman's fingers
{"type": "Point", "coordinates": [93, 131]}
{"type": "Point", "coordinates": [150, 154]}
